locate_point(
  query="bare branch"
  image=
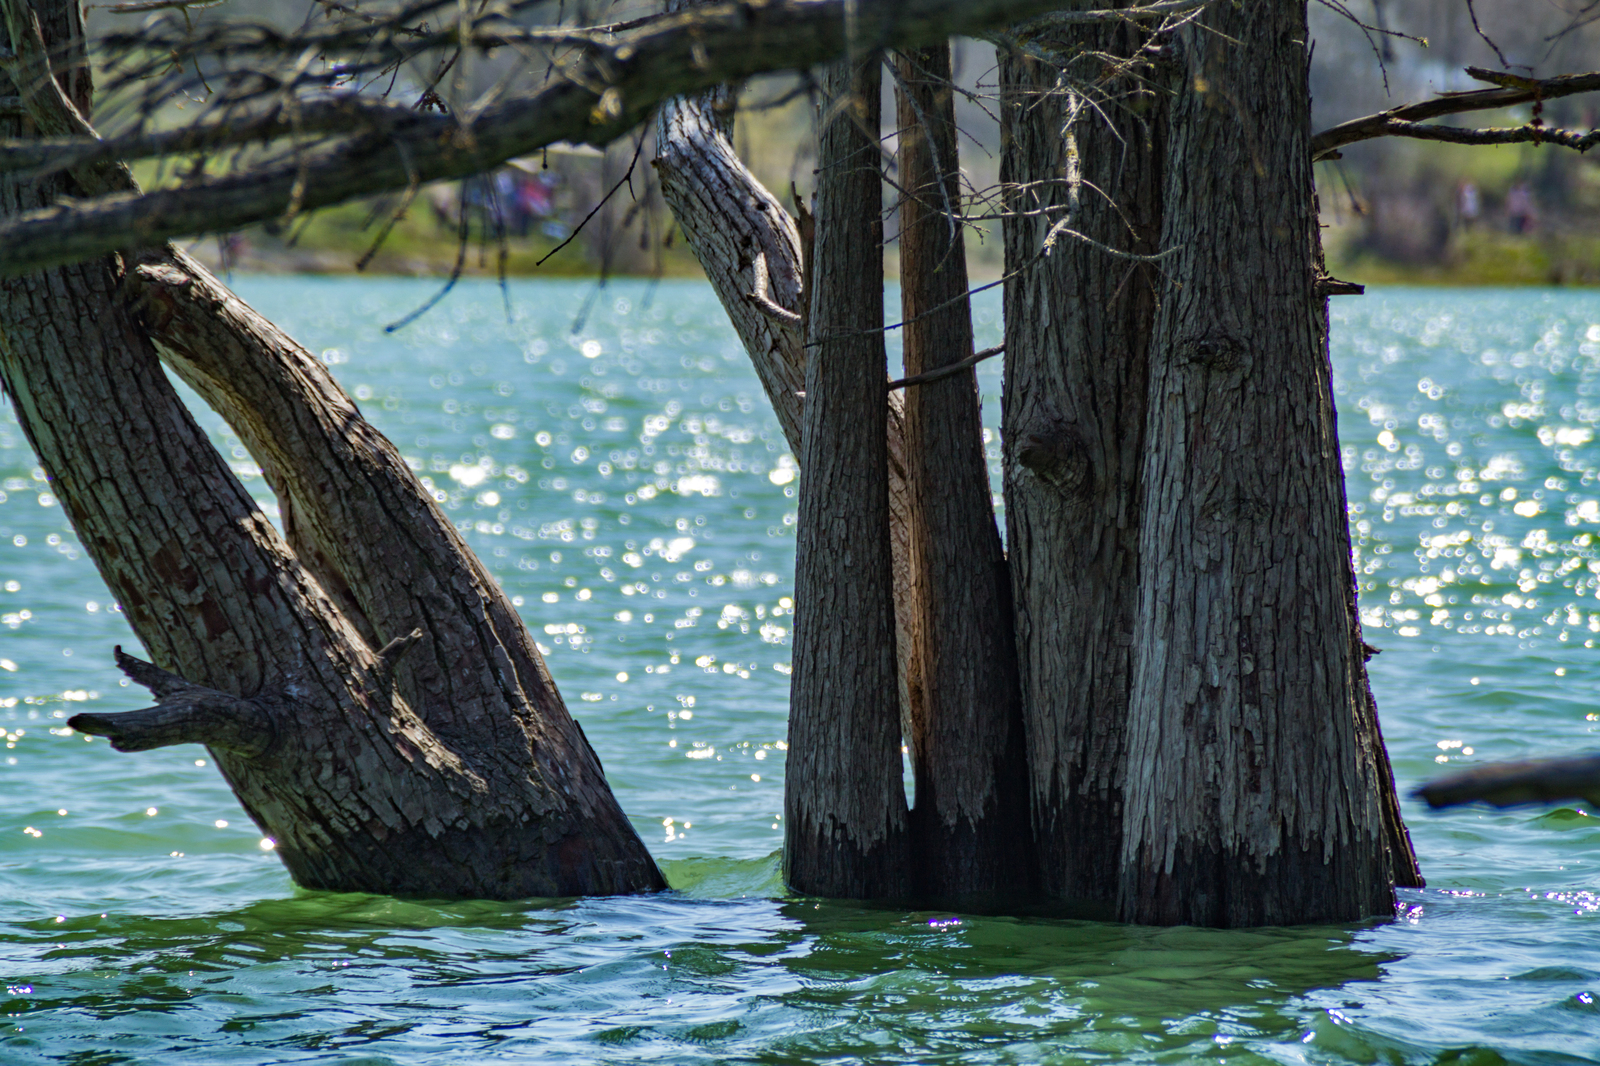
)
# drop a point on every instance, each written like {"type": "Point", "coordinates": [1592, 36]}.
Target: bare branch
{"type": "Point", "coordinates": [946, 371]}
{"type": "Point", "coordinates": [1159, 9]}
{"type": "Point", "coordinates": [758, 294]}
{"type": "Point", "coordinates": [1406, 120]}
{"type": "Point", "coordinates": [343, 114]}
{"type": "Point", "coordinates": [667, 55]}
{"type": "Point", "coordinates": [136, 7]}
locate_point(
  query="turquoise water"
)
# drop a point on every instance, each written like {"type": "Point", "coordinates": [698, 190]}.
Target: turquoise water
{"type": "Point", "coordinates": [631, 488]}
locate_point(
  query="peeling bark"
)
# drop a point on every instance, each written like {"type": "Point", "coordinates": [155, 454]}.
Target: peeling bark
{"type": "Point", "coordinates": [844, 804]}
{"type": "Point", "coordinates": [970, 827]}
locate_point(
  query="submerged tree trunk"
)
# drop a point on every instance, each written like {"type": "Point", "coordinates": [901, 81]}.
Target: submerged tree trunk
{"type": "Point", "coordinates": [1255, 784]}
{"type": "Point", "coordinates": [971, 837]}
{"type": "Point", "coordinates": [753, 255]}
{"type": "Point", "coordinates": [1077, 338]}
{"type": "Point", "coordinates": [371, 698]}
{"type": "Point", "coordinates": [844, 803]}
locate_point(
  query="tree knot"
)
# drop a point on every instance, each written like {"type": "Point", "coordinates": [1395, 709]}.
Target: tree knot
{"type": "Point", "coordinates": [1219, 354]}
{"type": "Point", "coordinates": [1055, 451]}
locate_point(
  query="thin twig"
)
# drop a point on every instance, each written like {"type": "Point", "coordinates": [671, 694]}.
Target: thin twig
{"type": "Point", "coordinates": [930, 376]}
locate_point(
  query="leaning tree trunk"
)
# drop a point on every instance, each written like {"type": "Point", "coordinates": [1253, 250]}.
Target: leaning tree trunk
{"type": "Point", "coordinates": [1077, 335]}
{"type": "Point", "coordinates": [756, 260]}
{"type": "Point", "coordinates": [844, 803]}
{"type": "Point", "coordinates": [1254, 787]}
{"type": "Point", "coordinates": [442, 763]}
{"type": "Point", "coordinates": [970, 827]}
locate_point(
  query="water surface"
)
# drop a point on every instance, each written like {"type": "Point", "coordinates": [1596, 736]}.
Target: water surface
{"type": "Point", "coordinates": [631, 489]}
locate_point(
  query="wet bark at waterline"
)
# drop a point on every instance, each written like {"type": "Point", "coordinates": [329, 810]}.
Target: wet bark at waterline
{"type": "Point", "coordinates": [1254, 790]}
{"type": "Point", "coordinates": [844, 803]}
{"type": "Point", "coordinates": [390, 735]}
{"type": "Point", "coordinates": [970, 826]}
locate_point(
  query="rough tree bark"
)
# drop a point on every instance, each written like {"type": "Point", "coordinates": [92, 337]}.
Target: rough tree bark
{"type": "Point", "coordinates": [1077, 335]}
{"type": "Point", "coordinates": [844, 803]}
{"type": "Point", "coordinates": [971, 838]}
{"type": "Point", "coordinates": [1255, 782]}
{"type": "Point", "coordinates": [753, 254]}
{"type": "Point", "coordinates": [441, 762]}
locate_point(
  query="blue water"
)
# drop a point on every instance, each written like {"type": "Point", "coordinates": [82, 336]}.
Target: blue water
{"type": "Point", "coordinates": [630, 487]}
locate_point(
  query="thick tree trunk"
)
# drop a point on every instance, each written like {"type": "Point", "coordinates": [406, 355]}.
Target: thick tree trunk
{"type": "Point", "coordinates": [1077, 335]}
{"type": "Point", "coordinates": [1255, 784]}
{"type": "Point", "coordinates": [970, 827]}
{"type": "Point", "coordinates": [753, 255]}
{"type": "Point", "coordinates": [442, 764]}
{"type": "Point", "coordinates": [844, 804]}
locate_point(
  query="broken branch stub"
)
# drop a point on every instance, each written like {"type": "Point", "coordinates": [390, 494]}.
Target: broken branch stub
{"type": "Point", "coordinates": [185, 713]}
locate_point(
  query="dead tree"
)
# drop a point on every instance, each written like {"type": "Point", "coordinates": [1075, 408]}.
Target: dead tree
{"type": "Point", "coordinates": [1201, 742]}
{"type": "Point", "coordinates": [390, 734]}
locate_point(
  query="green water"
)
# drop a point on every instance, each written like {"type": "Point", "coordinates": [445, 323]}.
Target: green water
{"type": "Point", "coordinates": [631, 487]}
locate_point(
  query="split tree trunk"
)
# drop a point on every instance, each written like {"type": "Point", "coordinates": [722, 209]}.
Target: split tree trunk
{"type": "Point", "coordinates": [1255, 784]}
{"type": "Point", "coordinates": [442, 763]}
{"type": "Point", "coordinates": [1077, 338]}
{"type": "Point", "coordinates": [844, 802]}
{"type": "Point", "coordinates": [971, 836]}
{"type": "Point", "coordinates": [755, 258]}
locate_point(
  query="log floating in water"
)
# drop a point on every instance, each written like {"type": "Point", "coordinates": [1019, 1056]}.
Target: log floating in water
{"type": "Point", "coordinates": [1509, 784]}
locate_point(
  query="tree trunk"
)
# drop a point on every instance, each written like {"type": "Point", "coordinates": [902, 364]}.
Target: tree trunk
{"type": "Point", "coordinates": [753, 255]}
{"type": "Point", "coordinates": [971, 836]}
{"type": "Point", "coordinates": [844, 803]}
{"type": "Point", "coordinates": [442, 763]}
{"type": "Point", "coordinates": [1255, 785]}
{"type": "Point", "coordinates": [1077, 329]}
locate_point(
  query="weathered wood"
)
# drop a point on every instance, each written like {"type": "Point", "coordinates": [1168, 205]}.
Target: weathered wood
{"type": "Point", "coordinates": [1254, 785]}
{"type": "Point", "coordinates": [618, 81]}
{"type": "Point", "coordinates": [971, 836]}
{"type": "Point", "coordinates": [844, 803]}
{"type": "Point", "coordinates": [451, 772]}
{"type": "Point", "coordinates": [186, 714]}
{"type": "Point", "coordinates": [1512, 784]}
{"type": "Point", "coordinates": [740, 232]}
{"type": "Point", "coordinates": [1077, 336]}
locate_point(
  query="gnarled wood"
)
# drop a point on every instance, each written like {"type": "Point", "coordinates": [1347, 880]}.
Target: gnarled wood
{"type": "Point", "coordinates": [185, 714]}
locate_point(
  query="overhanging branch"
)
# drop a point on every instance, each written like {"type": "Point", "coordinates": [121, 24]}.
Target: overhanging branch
{"type": "Point", "coordinates": [1409, 120]}
{"type": "Point", "coordinates": [621, 83]}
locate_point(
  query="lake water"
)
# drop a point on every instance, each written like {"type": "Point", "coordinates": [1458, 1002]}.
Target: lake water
{"type": "Point", "coordinates": [630, 486]}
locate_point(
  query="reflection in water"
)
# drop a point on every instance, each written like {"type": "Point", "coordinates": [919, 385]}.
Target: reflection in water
{"type": "Point", "coordinates": [631, 491]}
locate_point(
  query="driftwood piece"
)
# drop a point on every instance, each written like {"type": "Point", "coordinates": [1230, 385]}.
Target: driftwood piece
{"type": "Point", "coordinates": [1512, 784]}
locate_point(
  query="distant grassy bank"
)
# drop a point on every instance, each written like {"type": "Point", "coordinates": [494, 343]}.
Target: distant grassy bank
{"type": "Point", "coordinates": [334, 240]}
{"type": "Point", "coordinates": [1479, 257]}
